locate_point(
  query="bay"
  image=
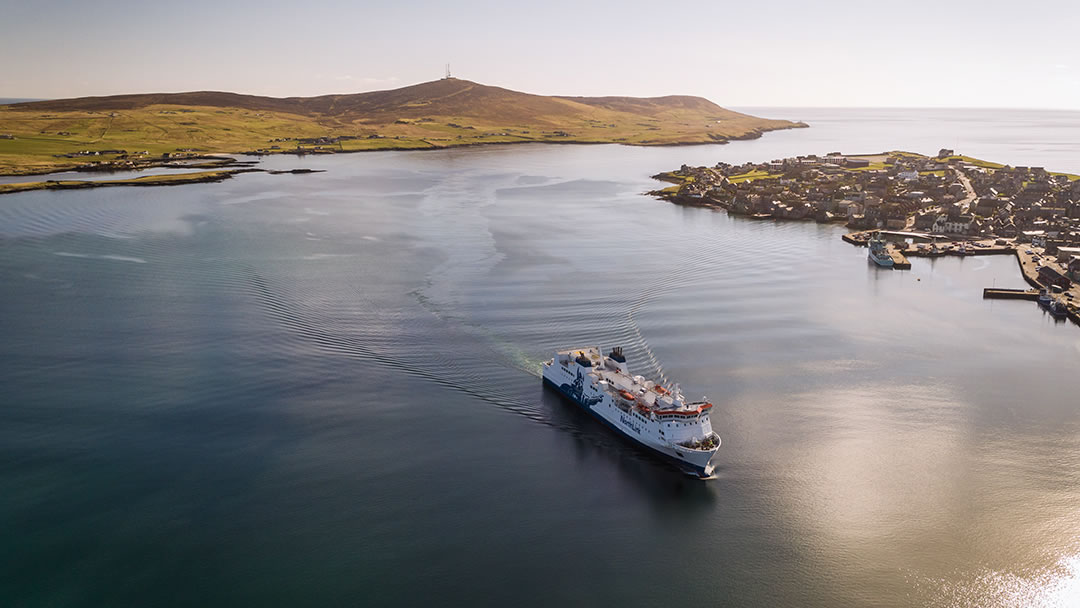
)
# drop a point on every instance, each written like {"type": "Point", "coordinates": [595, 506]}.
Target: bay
{"type": "Point", "coordinates": [324, 389]}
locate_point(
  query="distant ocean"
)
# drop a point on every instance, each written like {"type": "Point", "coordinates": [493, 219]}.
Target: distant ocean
{"type": "Point", "coordinates": [7, 100]}
{"type": "Point", "coordinates": [1046, 138]}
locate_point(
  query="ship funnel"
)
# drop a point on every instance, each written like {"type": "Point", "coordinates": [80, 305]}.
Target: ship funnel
{"type": "Point", "coordinates": [617, 356]}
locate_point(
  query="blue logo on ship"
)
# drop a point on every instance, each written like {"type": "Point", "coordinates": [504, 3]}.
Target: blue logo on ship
{"type": "Point", "coordinates": [576, 391]}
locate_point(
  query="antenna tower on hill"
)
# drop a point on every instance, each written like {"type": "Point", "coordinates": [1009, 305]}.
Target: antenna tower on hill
{"type": "Point", "coordinates": [447, 77]}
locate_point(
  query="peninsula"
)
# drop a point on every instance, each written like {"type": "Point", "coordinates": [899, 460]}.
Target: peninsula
{"type": "Point", "coordinates": [138, 131]}
{"type": "Point", "coordinates": [927, 206]}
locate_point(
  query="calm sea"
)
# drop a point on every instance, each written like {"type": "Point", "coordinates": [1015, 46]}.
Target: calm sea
{"type": "Point", "coordinates": [324, 389]}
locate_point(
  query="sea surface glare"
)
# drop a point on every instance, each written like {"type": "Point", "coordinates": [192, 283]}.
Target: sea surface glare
{"type": "Point", "coordinates": [324, 389]}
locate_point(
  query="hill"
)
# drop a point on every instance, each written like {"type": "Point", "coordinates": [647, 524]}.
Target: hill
{"type": "Point", "coordinates": [58, 134]}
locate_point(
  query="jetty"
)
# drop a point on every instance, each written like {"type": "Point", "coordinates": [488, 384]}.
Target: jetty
{"type": "Point", "coordinates": [993, 293]}
{"type": "Point", "coordinates": [1039, 269]}
{"type": "Point", "coordinates": [899, 260]}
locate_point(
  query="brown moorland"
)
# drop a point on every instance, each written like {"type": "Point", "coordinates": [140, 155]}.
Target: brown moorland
{"type": "Point", "coordinates": [441, 113]}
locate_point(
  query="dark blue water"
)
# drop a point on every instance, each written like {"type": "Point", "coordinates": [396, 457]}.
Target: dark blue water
{"type": "Point", "coordinates": [323, 389]}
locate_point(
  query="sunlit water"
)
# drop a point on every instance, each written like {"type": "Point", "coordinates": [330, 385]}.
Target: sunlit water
{"type": "Point", "coordinates": [323, 389]}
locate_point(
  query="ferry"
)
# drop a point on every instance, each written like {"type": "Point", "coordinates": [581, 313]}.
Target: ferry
{"type": "Point", "coordinates": [646, 412]}
{"type": "Point", "coordinates": [878, 254]}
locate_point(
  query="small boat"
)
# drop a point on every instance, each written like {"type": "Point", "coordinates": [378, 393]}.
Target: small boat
{"type": "Point", "coordinates": [1057, 309]}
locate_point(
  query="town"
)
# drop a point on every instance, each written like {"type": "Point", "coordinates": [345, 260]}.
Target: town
{"type": "Point", "coordinates": [925, 206]}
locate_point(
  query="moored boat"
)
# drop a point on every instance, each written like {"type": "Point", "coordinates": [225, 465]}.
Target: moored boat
{"type": "Point", "coordinates": [879, 254]}
{"type": "Point", "coordinates": [1057, 309]}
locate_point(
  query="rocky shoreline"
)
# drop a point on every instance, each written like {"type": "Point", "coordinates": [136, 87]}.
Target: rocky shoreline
{"type": "Point", "coordinates": [201, 177]}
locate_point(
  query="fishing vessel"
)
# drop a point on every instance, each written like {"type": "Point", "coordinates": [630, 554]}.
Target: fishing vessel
{"type": "Point", "coordinates": [878, 254]}
{"type": "Point", "coordinates": [1056, 308]}
{"type": "Point", "coordinates": [649, 413]}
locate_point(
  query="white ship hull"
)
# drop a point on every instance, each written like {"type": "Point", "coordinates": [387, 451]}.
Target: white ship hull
{"type": "Point", "coordinates": [659, 420]}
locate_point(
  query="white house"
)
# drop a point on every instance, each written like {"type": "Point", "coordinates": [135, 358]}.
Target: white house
{"type": "Point", "coordinates": [956, 224]}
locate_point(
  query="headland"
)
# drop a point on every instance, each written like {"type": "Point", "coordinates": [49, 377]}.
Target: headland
{"type": "Point", "coordinates": [131, 131]}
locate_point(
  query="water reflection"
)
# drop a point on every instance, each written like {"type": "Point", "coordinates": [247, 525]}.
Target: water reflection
{"type": "Point", "coordinates": [1055, 586]}
{"type": "Point", "coordinates": [886, 434]}
{"type": "Point", "coordinates": [912, 478]}
{"type": "Point", "coordinates": [661, 483]}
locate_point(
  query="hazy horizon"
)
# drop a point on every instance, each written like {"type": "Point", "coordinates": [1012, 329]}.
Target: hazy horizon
{"type": "Point", "coordinates": [960, 55]}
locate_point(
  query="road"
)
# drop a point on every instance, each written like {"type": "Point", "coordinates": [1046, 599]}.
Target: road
{"type": "Point", "coordinates": [971, 196]}
{"type": "Point", "coordinates": [965, 203]}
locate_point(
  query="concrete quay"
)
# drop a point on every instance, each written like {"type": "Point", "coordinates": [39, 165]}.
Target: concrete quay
{"type": "Point", "coordinates": [1029, 258]}
{"type": "Point", "coordinates": [899, 261]}
{"type": "Point", "coordinates": [993, 293]}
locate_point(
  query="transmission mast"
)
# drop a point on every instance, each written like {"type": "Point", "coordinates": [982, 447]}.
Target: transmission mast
{"type": "Point", "coordinates": [447, 72]}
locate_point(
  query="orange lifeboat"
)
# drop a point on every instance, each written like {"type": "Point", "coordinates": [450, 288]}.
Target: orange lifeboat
{"type": "Point", "coordinates": [626, 395]}
{"type": "Point", "coordinates": [661, 390]}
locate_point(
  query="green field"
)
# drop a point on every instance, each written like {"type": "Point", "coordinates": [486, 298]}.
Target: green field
{"type": "Point", "coordinates": [974, 161]}
{"type": "Point", "coordinates": [753, 176]}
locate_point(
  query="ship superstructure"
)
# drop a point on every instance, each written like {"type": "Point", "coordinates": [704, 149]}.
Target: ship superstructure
{"type": "Point", "coordinates": [651, 414]}
{"type": "Point", "coordinates": [878, 253]}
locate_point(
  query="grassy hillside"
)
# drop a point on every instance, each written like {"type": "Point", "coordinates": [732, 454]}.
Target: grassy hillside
{"type": "Point", "coordinates": [442, 113]}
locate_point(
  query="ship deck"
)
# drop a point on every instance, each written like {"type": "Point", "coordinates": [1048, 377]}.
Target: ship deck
{"type": "Point", "coordinates": [647, 394]}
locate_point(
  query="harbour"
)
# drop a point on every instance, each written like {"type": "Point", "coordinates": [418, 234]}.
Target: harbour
{"type": "Point", "coordinates": [906, 205]}
{"type": "Point", "coordinates": [1030, 261]}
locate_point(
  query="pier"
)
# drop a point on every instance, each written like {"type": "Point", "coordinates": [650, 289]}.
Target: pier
{"type": "Point", "coordinates": [991, 293]}
{"type": "Point", "coordinates": [899, 260]}
{"type": "Point", "coordinates": [1029, 258]}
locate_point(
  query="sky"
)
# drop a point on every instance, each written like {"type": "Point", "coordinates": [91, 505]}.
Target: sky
{"type": "Point", "coordinates": [776, 53]}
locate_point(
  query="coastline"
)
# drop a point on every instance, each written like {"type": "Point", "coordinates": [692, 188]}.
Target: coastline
{"type": "Point", "coordinates": [915, 202]}
{"type": "Point", "coordinates": [214, 155]}
{"type": "Point", "coordinates": [201, 177]}
{"type": "Point", "coordinates": [223, 159]}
